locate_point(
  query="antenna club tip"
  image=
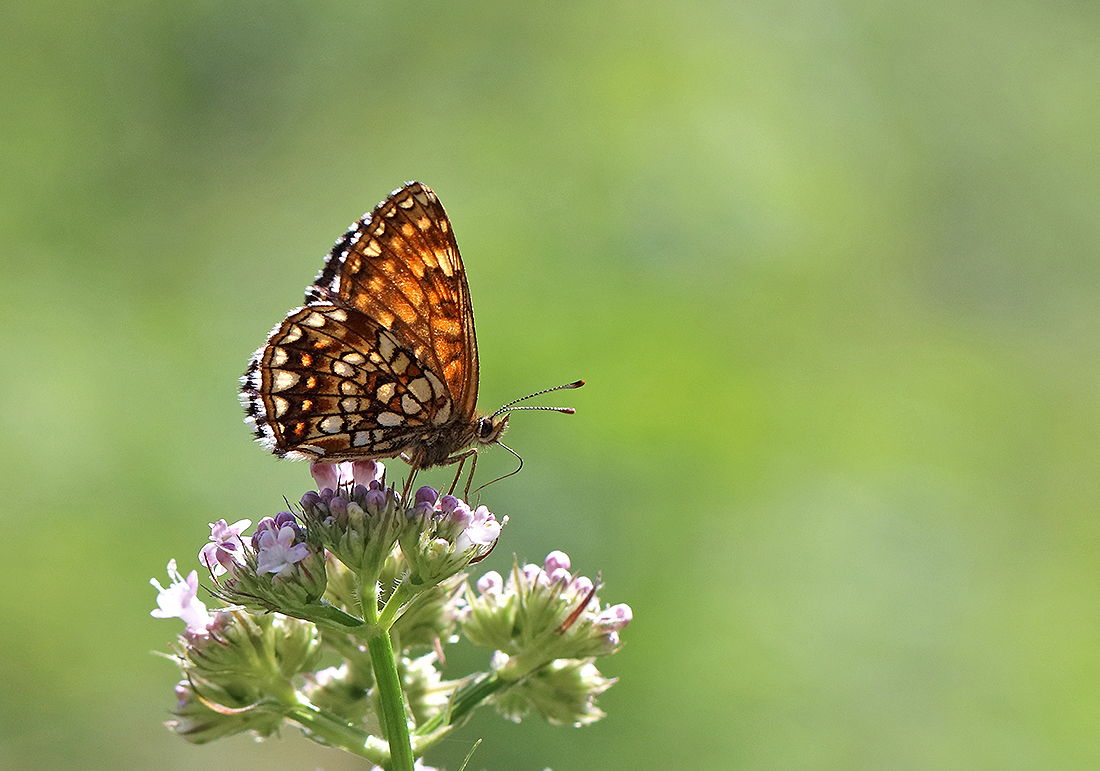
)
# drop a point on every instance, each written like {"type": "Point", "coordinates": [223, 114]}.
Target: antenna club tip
{"type": "Point", "coordinates": [577, 384]}
{"type": "Point", "coordinates": [569, 410]}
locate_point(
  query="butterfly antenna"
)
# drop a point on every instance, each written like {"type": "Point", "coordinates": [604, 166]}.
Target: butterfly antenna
{"type": "Point", "coordinates": [510, 406]}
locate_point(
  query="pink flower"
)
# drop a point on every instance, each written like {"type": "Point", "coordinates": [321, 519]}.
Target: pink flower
{"type": "Point", "coordinates": [180, 600]}
{"type": "Point", "coordinates": [334, 475]}
{"type": "Point", "coordinates": [226, 548]}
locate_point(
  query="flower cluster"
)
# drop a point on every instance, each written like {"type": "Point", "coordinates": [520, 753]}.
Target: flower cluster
{"type": "Point", "coordinates": [275, 569]}
{"type": "Point", "coordinates": [444, 536]}
{"type": "Point", "coordinates": [547, 627]}
{"type": "Point", "coordinates": [378, 581]}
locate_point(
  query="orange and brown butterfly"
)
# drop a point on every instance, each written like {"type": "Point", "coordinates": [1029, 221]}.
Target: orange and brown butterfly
{"type": "Point", "coordinates": [381, 361]}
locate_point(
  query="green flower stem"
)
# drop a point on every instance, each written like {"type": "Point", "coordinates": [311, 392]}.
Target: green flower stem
{"type": "Point", "coordinates": [473, 694]}
{"type": "Point", "coordinates": [401, 596]}
{"type": "Point", "coordinates": [391, 702]}
{"type": "Point", "coordinates": [466, 699]}
{"type": "Point", "coordinates": [327, 616]}
{"type": "Point", "coordinates": [368, 596]}
{"type": "Point", "coordinates": [337, 733]}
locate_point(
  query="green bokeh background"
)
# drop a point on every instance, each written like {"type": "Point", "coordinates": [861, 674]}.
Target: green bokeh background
{"type": "Point", "coordinates": [831, 271]}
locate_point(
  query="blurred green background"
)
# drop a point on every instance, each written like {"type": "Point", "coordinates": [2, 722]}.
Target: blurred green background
{"type": "Point", "coordinates": [831, 272]}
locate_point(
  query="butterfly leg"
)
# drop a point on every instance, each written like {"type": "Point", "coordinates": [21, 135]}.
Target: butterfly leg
{"type": "Point", "coordinates": [408, 480]}
{"type": "Point", "coordinates": [461, 461]}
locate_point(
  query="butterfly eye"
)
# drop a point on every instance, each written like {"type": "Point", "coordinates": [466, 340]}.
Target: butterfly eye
{"type": "Point", "coordinates": [490, 429]}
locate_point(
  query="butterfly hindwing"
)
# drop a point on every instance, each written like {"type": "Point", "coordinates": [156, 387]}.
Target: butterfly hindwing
{"type": "Point", "coordinates": [331, 383]}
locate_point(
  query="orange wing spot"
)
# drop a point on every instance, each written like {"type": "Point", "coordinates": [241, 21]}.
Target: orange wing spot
{"type": "Point", "coordinates": [453, 371]}
{"type": "Point", "coordinates": [446, 326]}
{"type": "Point", "coordinates": [412, 288]}
{"type": "Point", "coordinates": [403, 309]}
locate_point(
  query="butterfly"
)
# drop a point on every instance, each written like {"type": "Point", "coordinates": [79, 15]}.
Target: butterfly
{"type": "Point", "coordinates": [381, 361]}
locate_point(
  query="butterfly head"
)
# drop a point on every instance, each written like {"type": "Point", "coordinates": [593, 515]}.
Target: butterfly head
{"type": "Point", "coordinates": [490, 428]}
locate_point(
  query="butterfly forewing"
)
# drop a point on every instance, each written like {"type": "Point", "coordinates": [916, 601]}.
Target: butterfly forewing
{"type": "Point", "coordinates": [400, 266]}
{"type": "Point", "coordinates": [382, 359]}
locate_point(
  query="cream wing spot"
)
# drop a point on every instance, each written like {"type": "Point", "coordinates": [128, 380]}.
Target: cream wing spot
{"type": "Point", "coordinates": [385, 392]}
{"type": "Point", "coordinates": [446, 265]}
{"type": "Point", "coordinates": [400, 363]}
{"type": "Point", "coordinates": [390, 419]}
{"type": "Point", "coordinates": [281, 406]}
{"type": "Point", "coordinates": [332, 424]}
{"type": "Point", "coordinates": [342, 369]}
{"type": "Point", "coordinates": [437, 385]}
{"type": "Point", "coordinates": [443, 414]}
{"type": "Point", "coordinates": [410, 405]}
{"type": "Point", "coordinates": [386, 347]}
{"type": "Point", "coordinates": [282, 379]}
{"type": "Point", "coordinates": [351, 404]}
{"type": "Point", "coordinates": [421, 389]}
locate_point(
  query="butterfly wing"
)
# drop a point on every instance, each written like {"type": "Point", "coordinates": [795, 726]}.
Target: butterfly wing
{"type": "Point", "coordinates": [382, 359]}
{"type": "Point", "coordinates": [400, 266]}
{"type": "Point", "coordinates": [332, 384]}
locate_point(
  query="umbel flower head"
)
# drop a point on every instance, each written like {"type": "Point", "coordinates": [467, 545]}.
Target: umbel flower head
{"type": "Point", "coordinates": [377, 584]}
{"type": "Point", "coordinates": [236, 666]}
{"type": "Point", "coordinates": [276, 569]}
{"type": "Point", "coordinates": [547, 628]}
{"type": "Point", "coordinates": [444, 535]}
{"type": "Point", "coordinates": [542, 613]}
{"type": "Point", "coordinates": [353, 514]}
